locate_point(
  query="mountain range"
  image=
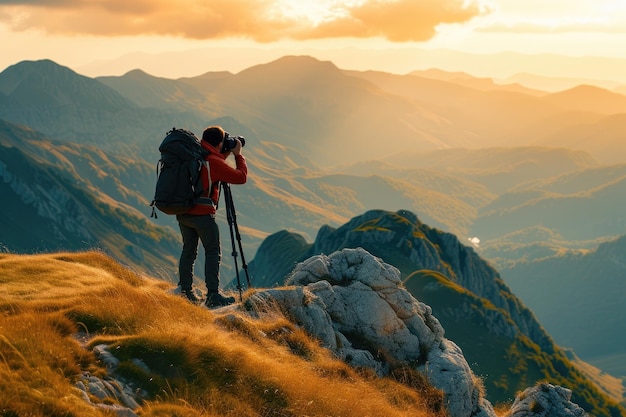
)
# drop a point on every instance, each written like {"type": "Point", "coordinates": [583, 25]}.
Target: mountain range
{"type": "Point", "coordinates": [510, 167]}
{"type": "Point", "coordinates": [545, 72]}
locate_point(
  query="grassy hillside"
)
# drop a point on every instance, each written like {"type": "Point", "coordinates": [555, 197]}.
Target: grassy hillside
{"type": "Point", "coordinates": [491, 352]}
{"type": "Point", "coordinates": [48, 208]}
{"type": "Point", "coordinates": [589, 290]}
{"type": "Point", "coordinates": [185, 360]}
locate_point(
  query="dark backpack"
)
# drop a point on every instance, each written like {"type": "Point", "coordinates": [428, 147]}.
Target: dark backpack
{"type": "Point", "coordinates": [179, 184]}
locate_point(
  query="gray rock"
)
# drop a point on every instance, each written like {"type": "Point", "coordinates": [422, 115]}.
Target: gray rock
{"type": "Point", "coordinates": [119, 411]}
{"type": "Point", "coordinates": [545, 400]}
{"type": "Point", "coordinates": [106, 357]}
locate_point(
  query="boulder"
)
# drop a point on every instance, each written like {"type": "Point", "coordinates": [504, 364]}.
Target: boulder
{"type": "Point", "coordinates": [545, 400]}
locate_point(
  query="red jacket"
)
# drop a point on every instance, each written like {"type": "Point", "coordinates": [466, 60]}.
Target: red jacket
{"type": "Point", "coordinates": [220, 171]}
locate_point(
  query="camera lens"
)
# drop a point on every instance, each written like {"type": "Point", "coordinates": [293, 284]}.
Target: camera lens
{"type": "Point", "coordinates": [230, 142]}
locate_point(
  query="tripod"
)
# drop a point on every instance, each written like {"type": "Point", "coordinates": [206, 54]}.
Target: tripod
{"type": "Point", "coordinates": [231, 216]}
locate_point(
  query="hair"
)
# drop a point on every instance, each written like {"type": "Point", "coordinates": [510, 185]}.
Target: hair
{"type": "Point", "coordinates": [214, 135]}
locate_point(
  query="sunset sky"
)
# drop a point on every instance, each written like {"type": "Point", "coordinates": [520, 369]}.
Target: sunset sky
{"type": "Point", "coordinates": [77, 33]}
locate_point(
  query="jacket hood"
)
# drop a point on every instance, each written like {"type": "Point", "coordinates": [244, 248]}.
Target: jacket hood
{"type": "Point", "coordinates": [214, 151]}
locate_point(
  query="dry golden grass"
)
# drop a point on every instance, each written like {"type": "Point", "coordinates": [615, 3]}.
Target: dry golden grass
{"type": "Point", "coordinates": [201, 362]}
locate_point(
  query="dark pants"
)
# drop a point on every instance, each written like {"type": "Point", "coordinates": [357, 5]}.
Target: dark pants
{"type": "Point", "coordinates": [205, 229]}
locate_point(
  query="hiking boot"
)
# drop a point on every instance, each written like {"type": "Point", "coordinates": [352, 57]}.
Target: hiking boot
{"type": "Point", "coordinates": [215, 299]}
{"type": "Point", "coordinates": [190, 295]}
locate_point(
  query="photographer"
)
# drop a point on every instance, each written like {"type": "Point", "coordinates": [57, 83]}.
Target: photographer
{"type": "Point", "coordinates": [199, 222]}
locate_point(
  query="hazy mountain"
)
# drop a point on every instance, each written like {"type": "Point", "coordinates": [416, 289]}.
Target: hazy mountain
{"type": "Point", "coordinates": [559, 83]}
{"type": "Point", "coordinates": [499, 169]}
{"type": "Point", "coordinates": [416, 112]}
{"type": "Point", "coordinates": [67, 106]}
{"type": "Point", "coordinates": [580, 299]}
{"type": "Point", "coordinates": [322, 114]}
{"type": "Point", "coordinates": [487, 118]}
{"type": "Point", "coordinates": [148, 91]}
{"type": "Point", "coordinates": [580, 180]}
{"type": "Point", "coordinates": [601, 136]}
{"type": "Point", "coordinates": [497, 333]}
{"type": "Point", "coordinates": [333, 117]}
{"type": "Point", "coordinates": [395, 60]}
{"type": "Point", "coordinates": [314, 106]}
{"type": "Point", "coordinates": [562, 211]}
{"type": "Point", "coordinates": [48, 84]}
{"type": "Point", "coordinates": [590, 99]}
{"type": "Point", "coordinates": [571, 119]}
{"type": "Point", "coordinates": [470, 81]}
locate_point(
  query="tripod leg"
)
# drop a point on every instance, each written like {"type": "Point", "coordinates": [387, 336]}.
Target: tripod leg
{"type": "Point", "coordinates": [244, 265]}
{"type": "Point", "coordinates": [231, 224]}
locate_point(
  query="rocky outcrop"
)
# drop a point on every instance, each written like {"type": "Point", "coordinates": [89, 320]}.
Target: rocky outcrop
{"type": "Point", "coordinates": [109, 394]}
{"type": "Point", "coordinates": [545, 400]}
{"type": "Point", "coordinates": [356, 306]}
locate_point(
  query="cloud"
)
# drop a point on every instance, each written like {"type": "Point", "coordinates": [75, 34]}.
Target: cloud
{"type": "Point", "coordinates": [555, 26]}
{"type": "Point", "coordinates": [400, 21]}
{"type": "Point", "coordinates": [555, 17]}
{"type": "Point", "coordinates": [261, 20]}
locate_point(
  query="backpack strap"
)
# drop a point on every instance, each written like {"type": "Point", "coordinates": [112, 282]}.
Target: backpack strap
{"type": "Point", "coordinates": [207, 201]}
{"type": "Point", "coordinates": [153, 204]}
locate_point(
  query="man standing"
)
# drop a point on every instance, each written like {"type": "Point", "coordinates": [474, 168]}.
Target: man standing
{"type": "Point", "coordinates": [199, 222]}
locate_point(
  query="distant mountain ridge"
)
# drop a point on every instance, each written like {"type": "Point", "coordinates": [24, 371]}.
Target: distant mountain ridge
{"type": "Point", "coordinates": [148, 91]}
{"type": "Point", "coordinates": [468, 80]}
{"type": "Point", "coordinates": [574, 69]}
{"type": "Point", "coordinates": [67, 106]}
{"type": "Point", "coordinates": [418, 113]}
{"type": "Point", "coordinates": [47, 83]}
{"type": "Point", "coordinates": [589, 98]}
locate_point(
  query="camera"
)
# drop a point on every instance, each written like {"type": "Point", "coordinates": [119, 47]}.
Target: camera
{"type": "Point", "coordinates": [231, 141]}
